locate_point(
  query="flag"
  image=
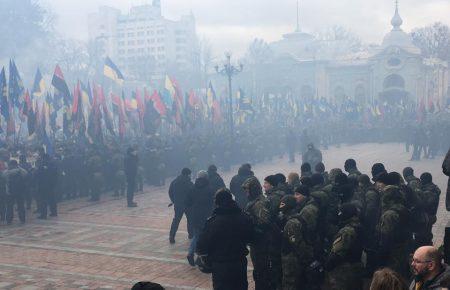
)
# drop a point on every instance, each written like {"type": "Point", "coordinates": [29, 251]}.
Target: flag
{"type": "Point", "coordinates": [4, 95]}
{"type": "Point", "coordinates": [16, 88]}
{"type": "Point", "coordinates": [213, 105]}
{"type": "Point", "coordinates": [59, 83]}
{"type": "Point", "coordinates": [31, 120]}
{"type": "Point", "coordinates": [27, 105]}
{"type": "Point", "coordinates": [111, 71]}
{"type": "Point", "coordinates": [169, 92]}
{"type": "Point", "coordinates": [158, 103]}
{"type": "Point", "coordinates": [39, 84]}
{"type": "Point", "coordinates": [152, 118]}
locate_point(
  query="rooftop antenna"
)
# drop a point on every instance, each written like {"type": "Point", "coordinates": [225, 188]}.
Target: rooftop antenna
{"type": "Point", "coordinates": [298, 17]}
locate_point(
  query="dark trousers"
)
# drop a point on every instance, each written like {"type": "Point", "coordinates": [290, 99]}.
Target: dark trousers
{"type": "Point", "coordinates": [230, 275]}
{"type": "Point", "coordinates": [178, 215]}
{"type": "Point", "coordinates": [264, 274]}
{"type": "Point", "coordinates": [47, 201]}
{"type": "Point", "coordinates": [2, 207]}
{"type": "Point", "coordinates": [11, 200]}
{"type": "Point", "coordinates": [131, 188]}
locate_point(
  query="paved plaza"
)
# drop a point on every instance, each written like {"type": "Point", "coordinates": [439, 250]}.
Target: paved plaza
{"type": "Point", "coordinates": [106, 245]}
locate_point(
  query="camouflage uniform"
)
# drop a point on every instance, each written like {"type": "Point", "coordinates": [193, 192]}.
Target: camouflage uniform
{"type": "Point", "coordinates": [354, 173]}
{"type": "Point", "coordinates": [368, 200]}
{"type": "Point", "coordinates": [298, 247]}
{"type": "Point", "coordinates": [345, 270]}
{"type": "Point", "coordinates": [429, 198]}
{"type": "Point", "coordinates": [265, 273]}
{"type": "Point", "coordinates": [393, 231]}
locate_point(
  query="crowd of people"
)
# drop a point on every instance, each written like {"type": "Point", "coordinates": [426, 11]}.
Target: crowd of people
{"type": "Point", "coordinates": [313, 230]}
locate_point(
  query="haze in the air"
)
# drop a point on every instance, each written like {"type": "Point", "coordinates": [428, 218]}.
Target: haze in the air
{"type": "Point", "coordinates": [233, 24]}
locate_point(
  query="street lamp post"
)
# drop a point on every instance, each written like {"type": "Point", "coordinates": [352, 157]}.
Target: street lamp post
{"type": "Point", "coordinates": [229, 71]}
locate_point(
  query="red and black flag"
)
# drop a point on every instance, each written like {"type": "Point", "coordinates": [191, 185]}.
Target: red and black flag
{"type": "Point", "coordinates": [59, 83]}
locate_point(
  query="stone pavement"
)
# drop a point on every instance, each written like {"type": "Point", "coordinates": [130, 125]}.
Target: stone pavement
{"type": "Point", "coordinates": [106, 245]}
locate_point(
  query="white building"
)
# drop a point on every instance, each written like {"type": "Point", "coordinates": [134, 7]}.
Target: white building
{"type": "Point", "coordinates": [143, 43]}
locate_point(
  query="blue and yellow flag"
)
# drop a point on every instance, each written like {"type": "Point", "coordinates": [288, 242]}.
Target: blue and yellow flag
{"type": "Point", "coordinates": [111, 71]}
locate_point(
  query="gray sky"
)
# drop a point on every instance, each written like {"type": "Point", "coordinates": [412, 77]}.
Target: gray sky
{"type": "Point", "coordinates": [231, 25]}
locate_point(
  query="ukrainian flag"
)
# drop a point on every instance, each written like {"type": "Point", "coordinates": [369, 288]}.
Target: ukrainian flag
{"type": "Point", "coordinates": [111, 71]}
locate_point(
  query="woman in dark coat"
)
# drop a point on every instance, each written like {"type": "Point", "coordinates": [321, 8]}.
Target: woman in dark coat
{"type": "Point", "coordinates": [199, 203]}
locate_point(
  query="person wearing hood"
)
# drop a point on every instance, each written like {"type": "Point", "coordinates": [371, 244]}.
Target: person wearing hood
{"type": "Point", "coordinates": [429, 270]}
{"type": "Point", "coordinates": [15, 195]}
{"type": "Point", "coordinates": [244, 172]}
{"type": "Point", "coordinates": [343, 265]}
{"type": "Point", "coordinates": [223, 243]}
{"type": "Point", "coordinates": [262, 248]}
{"type": "Point", "coordinates": [199, 204]}
{"type": "Point", "coordinates": [312, 156]}
{"type": "Point", "coordinates": [215, 180]}
{"type": "Point", "coordinates": [178, 191]}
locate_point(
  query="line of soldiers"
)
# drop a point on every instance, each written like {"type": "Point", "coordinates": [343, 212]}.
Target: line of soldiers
{"type": "Point", "coordinates": [21, 182]}
{"type": "Point", "coordinates": [329, 230]}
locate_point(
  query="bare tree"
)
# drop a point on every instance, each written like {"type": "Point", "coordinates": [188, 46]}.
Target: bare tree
{"type": "Point", "coordinates": [23, 23]}
{"type": "Point", "coordinates": [433, 40]}
{"type": "Point", "coordinates": [258, 52]}
{"type": "Point", "coordinates": [206, 59]}
{"type": "Point", "coordinates": [336, 42]}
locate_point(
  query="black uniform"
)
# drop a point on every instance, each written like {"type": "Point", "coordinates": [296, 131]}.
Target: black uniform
{"type": "Point", "coordinates": [178, 191]}
{"type": "Point", "coordinates": [46, 178]}
{"type": "Point", "coordinates": [131, 166]}
{"type": "Point", "coordinates": [224, 242]}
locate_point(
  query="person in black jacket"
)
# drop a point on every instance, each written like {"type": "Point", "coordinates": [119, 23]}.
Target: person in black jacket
{"type": "Point", "coordinates": [223, 243]}
{"type": "Point", "coordinates": [46, 178]}
{"type": "Point", "coordinates": [178, 191]}
{"type": "Point", "coordinates": [236, 189]}
{"type": "Point", "coordinates": [215, 181]}
{"type": "Point", "coordinates": [15, 195]}
{"type": "Point", "coordinates": [131, 163]}
{"type": "Point", "coordinates": [199, 203]}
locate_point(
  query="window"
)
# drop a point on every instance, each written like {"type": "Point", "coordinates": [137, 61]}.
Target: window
{"type": "Point", "coordinates": [130, 34]}
{"type": "Point", "coordinates": [140, 42]}
{"type": "Point", "coordinates": [131, 42]}
{"type": "Point", "coordinates": [141, 33]}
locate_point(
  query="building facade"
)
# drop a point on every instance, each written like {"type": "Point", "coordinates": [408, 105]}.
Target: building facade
{"type": "Point", "coordinates": [391, 72]}
{"type": "Point", "coordinates": [143, 43]}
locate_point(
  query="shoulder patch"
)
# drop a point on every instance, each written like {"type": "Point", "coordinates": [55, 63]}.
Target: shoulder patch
{"type": "Point", "coordinates": [338, 240]}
